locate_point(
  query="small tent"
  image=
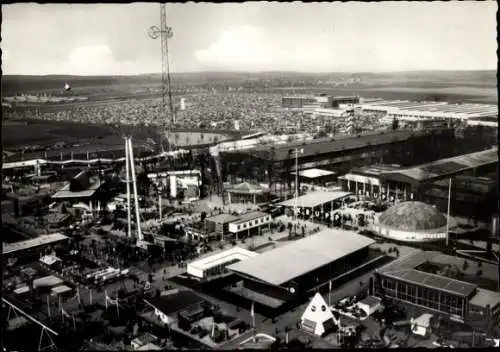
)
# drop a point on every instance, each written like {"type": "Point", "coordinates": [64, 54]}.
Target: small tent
{"type": "Point", "coordinates": [318, 318]}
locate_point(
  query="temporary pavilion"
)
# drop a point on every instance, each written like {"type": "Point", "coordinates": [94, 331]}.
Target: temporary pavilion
{"type": "Point", "coordinates": [296, 269]}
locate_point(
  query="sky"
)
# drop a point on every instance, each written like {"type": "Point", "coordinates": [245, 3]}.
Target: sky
{"type": "Point", "coordinates": [112, 39]}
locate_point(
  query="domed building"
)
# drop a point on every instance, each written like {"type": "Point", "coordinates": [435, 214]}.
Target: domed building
{"type": "Point", "coordinates": [412, 222]}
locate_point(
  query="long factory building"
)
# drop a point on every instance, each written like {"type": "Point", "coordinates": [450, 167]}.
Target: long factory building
{"type": "Point", "coordinates": [411, 111]}
{"type": "Point", "coordinates": [392, 181]}
{"type": "Point", "coordinates": [275, 165]}
{"type": "Point", "coordinates": [474, 186]}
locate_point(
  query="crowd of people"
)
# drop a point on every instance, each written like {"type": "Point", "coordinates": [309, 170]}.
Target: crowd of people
{"type": "Point", "coordinates": [252, 111]}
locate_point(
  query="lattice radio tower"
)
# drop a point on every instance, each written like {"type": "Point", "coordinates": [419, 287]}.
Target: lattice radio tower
{"type": "Point", "coordinates": [165, 33]}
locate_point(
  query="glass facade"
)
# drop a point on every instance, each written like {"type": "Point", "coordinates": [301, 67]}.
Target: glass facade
{"type": "Point", "coordinates": [427, 297]}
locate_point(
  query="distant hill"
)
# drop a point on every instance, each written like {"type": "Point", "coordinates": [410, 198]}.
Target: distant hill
{"type": "Point", "coordinates": [15, 84]}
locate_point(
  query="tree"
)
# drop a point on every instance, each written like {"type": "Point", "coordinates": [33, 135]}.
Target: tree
{"type": "Point", "coordinates": [395, 123]}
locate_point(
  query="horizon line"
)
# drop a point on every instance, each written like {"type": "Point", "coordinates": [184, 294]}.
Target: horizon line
{"type": "Point", "coordinates": [251, 72]}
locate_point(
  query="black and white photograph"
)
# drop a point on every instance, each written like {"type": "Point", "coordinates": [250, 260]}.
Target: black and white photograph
{"type": "Point", "coordinates": [259, 175]}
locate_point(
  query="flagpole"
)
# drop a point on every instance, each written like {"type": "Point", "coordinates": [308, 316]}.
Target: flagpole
{"type": "Point", "coordinates": [448, 218]}
{"type": "Point", "coordinates": [106, 299]}
{"type": "Point", "coordinates": [329, 294]}
{"type": "Point", "coordinates": [252, 313]}
{"type": "Point", "coordinates": [48, 305]}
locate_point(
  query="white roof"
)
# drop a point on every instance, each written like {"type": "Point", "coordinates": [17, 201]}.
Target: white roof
{"type": "Point", "coordinates": [48, 281]}
{"type": "Point", "coordinates": [285, 263]}
{"type": "Point", "coordinates": [314, 173]}
{"type": "Point", "coordinates": [20, 290]}
{"type": "Point", "coordinates": [35, 242]}
{"type": "Point", "coordinates": [66, 193]}
{"type": "Point", "coordinates": [223, 257]}
{"type": "Point", "coordinates": [149, 347]}
{"type": "Point", "coordinates": [315, 199]}
{"type": "Point", "coordinates": [483, 298]}
{"type": "Point", "coordinates": [49, 259]}
{"type": "Point", "coordinates": [423, 320]}
{"type": "Point", "coordinates": [61, 289]}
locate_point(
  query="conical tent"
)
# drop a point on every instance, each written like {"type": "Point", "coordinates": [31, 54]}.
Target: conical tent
{"type": "Point", "coordinates": [318, 318]}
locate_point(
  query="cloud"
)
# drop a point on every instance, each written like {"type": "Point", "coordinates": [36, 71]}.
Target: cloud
{"type": "Point", "coordinates": [250, 47]}
{"type": "Point", "coordinates": [98, 60]}
{"type": "Point", "coordinates": [91, 60]}
{"type": "Point", "coordinates": [5, 57]}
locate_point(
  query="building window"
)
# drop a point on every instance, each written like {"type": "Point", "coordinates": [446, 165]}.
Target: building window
{"type": "Point", "coordinates": [239, 227]}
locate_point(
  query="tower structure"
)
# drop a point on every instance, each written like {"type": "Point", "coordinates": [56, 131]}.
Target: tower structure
{"type": "Point", "coordinates": [131, 178]}
{"type": "Point", "coordinates": [165, 33]}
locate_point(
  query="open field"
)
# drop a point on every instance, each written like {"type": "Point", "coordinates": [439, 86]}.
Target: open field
{"type": "Point", "coordinates": [50, 133]}
{"type": "Point", "coordinates": [17, 134]}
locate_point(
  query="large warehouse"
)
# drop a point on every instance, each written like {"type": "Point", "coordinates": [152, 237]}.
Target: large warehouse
{"type": "Point", "coordinates": [295, 269]}
{"type": "Point", "coordinates": [412, 110]}
{"type": "Point", "coordinates": [392, 182]}
{"type": "Point", "coordinates": [275, 164]}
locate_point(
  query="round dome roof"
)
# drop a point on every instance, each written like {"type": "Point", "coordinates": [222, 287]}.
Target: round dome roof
{"type": "Point", "coordinates": [412, 216]}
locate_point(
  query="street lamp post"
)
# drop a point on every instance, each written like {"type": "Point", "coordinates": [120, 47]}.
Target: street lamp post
{"type": "Point", "coordinates": [296, 151]}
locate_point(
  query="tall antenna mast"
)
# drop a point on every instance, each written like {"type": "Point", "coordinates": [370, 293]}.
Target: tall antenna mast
{"type": "Point", "coordinates": [165, 33]}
